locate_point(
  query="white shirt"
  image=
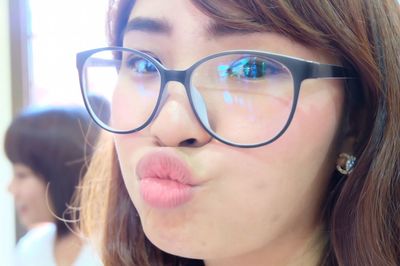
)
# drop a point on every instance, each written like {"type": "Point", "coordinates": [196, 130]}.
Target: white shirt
{"type": "Point", "coordinates": [36, 248]}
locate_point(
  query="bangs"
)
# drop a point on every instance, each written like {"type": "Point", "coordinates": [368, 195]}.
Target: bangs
{"type": "Point", "coordinates": [298, 20]}
{"type": "Point", "coordinates": [17, 146]}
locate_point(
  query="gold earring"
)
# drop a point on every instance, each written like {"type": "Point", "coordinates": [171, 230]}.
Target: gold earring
{"type": "Point", "coordinates": [345, 163]}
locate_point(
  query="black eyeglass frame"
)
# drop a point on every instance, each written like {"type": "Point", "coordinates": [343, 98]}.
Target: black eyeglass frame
{"type": "Point", "coordinates": [300, 70]}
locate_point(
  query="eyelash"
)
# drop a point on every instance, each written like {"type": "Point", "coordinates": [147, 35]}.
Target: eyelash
{"type": "Point", "coordinates": [250, 67]}
{"type": "Point", "coordinates": [131, 63]}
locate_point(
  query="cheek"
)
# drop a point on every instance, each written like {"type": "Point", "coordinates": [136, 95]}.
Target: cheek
{"type": "Point", "coordinates": [37, 190]}
{"type": "Point", "coordinates": [129, 149]}
{"type": "Point", "coordinates": [33, 200]}
{"type": "Point", "coordinates": [37, 203]}
{"type": "Point", "coordinates": [30, 191]}
{"type": "Point", "coordinates": [285, 180]}
{"type": "Point", "coordinates": [133, 102]}
{"type": "Point", "coordinates": [318, 115]}
{"type": "Point", "coordinates": [126, 147]}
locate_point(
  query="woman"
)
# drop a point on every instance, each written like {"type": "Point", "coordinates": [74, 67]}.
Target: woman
{"type": "Point", "coordinates": [49, 149]}
{"type": "Point", "coordinates": [279, 147]}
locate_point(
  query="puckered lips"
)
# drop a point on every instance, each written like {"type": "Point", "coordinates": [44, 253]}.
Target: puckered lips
{"type": "Point", "coordinates": [165, 180]}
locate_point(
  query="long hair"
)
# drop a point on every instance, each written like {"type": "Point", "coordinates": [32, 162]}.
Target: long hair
{"type": "Point", "coordinates": [361, 212]}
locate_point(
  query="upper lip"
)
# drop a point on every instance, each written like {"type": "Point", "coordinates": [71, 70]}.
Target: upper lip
{"type": "Point", "coordinates": [165, 165]}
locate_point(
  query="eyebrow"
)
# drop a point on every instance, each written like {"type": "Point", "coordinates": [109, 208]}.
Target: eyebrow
{"type": "Point", "coordinates": [216, 29]}
{"type": "Point", "coordinates": [148, 25]}
{"type": "Point", "coordinates": [161, 26]}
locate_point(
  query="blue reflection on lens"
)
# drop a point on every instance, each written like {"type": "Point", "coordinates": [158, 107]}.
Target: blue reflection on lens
{"type": "Point", "coordinates": [142, 91]}
{"type": "Point", "coordinates": [240, 101]}
{"type": "Point", "coordinates": [200, 106]}
{"type": "Point", "coordinates": [144, 66]}
{"type": "Point", "coordinates": [223, 71]}
{"type": "Point", "coordinates": [228, 97]}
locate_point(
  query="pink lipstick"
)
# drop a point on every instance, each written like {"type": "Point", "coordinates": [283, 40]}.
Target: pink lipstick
{"type": "Point", "coordinates": [165, 180]}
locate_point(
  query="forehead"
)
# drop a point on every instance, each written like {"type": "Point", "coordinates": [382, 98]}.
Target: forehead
{"type": "Point", "coordinates": [22, 168]}
{"type": "Point", "coordinates": [173, 11]}
{"type": "Point", "coordinates": [177, 17]}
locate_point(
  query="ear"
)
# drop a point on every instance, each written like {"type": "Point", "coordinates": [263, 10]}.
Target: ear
{"type": "Point", "coordinates": [353, 122]}
{"type": "Point", "coordinates": [354, 118]}
{"type": "Point", "coordinates": [348, 144]}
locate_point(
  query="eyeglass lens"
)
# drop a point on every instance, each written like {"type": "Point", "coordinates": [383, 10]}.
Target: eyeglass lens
{"type": "Point", "coordinates": [241, 98]}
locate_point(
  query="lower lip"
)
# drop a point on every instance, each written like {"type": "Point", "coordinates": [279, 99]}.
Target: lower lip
{"type": "Point", "coordinates": [164, 193]}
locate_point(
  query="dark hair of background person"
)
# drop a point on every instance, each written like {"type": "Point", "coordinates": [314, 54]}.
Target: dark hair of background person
{"type": "Point", "coordinates": [56, 143]}
{"type": "Point", "coordinates": [361, 212]}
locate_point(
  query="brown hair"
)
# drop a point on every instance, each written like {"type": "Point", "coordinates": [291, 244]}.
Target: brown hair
{"type": "Point", "coordinates": [361, 212]}
{"type": "Point", "coordinates": [54, 143]}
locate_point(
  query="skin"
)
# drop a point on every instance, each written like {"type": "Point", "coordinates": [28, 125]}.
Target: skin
{"type": "Point", "coordinates": [29, 191]}
{"type": "Point", "coordinates": [262, 212]}
{"type": "Point", "coordinates": [67, 249]}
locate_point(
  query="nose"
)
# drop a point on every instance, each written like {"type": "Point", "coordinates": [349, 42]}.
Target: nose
{"type": "Point", "coordinates": [12, 187]}
{"type": "Point", "coordinates": [176, 125]}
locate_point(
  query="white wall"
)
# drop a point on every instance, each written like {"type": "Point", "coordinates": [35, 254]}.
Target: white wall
{"type": "Point", "coordinates": [7, 223]}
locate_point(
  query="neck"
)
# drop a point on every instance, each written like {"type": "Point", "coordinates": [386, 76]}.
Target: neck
{"type": "Point", "coordinates": [288, 251]}
{"type": "Point", "coordinates": [67, 249]}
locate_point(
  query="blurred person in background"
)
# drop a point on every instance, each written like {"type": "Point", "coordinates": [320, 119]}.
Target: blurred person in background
{"type": "Point", "coordinates": [49, 149]}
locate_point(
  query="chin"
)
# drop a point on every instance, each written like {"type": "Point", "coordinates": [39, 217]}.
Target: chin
{"type": "Point", "coordinates": [26, 223]}
{"type": "Point", "coordinates": [185, 252]}
{"type": "Point", "coordinates": [172, 244]}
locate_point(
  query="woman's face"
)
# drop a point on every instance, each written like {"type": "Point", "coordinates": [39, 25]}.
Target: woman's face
{"type": "Point", "coordinates": [29, 191]}
{"type": "Point", "coordinates": [200, 198]}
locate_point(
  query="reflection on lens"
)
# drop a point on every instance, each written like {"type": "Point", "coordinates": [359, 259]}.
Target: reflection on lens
{"type": "Point", "coordinates": [128, 85]}
{"type": "Point", "coordinates": [247, 98]}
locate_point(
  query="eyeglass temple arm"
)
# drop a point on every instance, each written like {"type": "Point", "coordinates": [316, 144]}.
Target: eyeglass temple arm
{"type": "Point", "coordinates": [330, 71]}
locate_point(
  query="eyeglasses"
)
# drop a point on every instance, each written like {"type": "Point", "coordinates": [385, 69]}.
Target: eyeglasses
{"type": "Point", "coordinates": [241, 98]}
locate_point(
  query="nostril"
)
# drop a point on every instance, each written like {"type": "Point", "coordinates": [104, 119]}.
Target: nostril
{"type": "Point", "coordinates": [188, 142]}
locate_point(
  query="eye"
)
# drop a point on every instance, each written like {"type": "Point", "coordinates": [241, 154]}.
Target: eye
{"type": "Point", "coordinates": [19, 175]}
{"type": "Point", "coordinates": [254, 68]}
{"type": "Point", "coordinates": [141, 65]}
